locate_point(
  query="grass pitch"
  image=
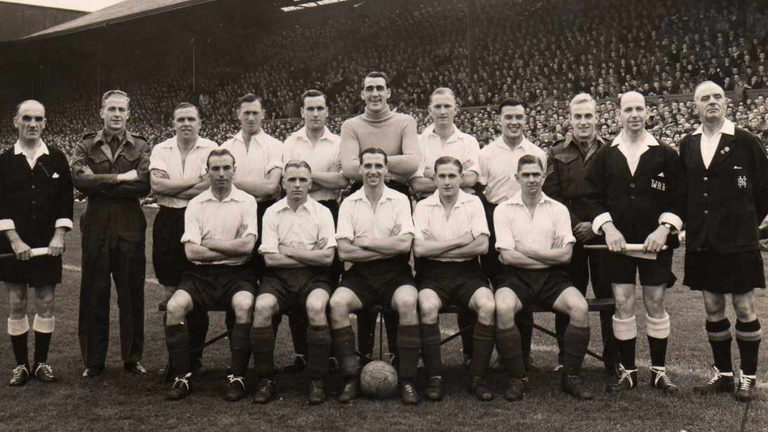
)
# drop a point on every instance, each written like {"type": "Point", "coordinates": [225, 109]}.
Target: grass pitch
{"type": "Point", "coordinates": [119, 401]}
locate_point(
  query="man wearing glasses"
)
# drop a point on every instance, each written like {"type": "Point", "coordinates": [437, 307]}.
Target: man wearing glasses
{"type": "Point", "coordinates": [111, 167]}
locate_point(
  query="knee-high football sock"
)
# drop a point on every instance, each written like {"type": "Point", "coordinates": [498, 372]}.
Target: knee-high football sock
{"type": "Point", "coordinates": [43, 332]}
{"type": "Point", "coordinates": [625, 331]}
{"type": "Point", "coordinates": [748, 336]}
{"type": "Point", "coordinates": [430, 348]}
{"type": "Point", "coordinates": [483, 340]}
{"type": "Point", "coordinates": [719, 335]}
{"type": "Point", "coordinates": [658, 336]}
{"type": "Point", "coordinates": [344, 348]}
{"type": "Point", "coordinates": [318, 351]}
{"type": "Point", "coordinates": [510, 350]}
{"type": "Point", "coordinates": [177, 340]}
{"type": "Point", "coordinates": [408, 345]}
{"type": "Point", "coordinates": [240, 348]}
{"type": "Point", "coordinates": [19, 332]}
{"type": "Point", "coordinates": [575, 345]}
{"type": "Point", "coordinates": [263, 348]}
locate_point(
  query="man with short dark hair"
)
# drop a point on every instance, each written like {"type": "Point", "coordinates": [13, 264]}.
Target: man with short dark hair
{"type": "Point", "coordinates": [375, 233]}
{"type": "Point", "coordinates": [298, 246]}
{"type": "Point", "coordinates": [219, 235]}
{"type": "Point", "coordinates": [451, 234]}
{"type": "Point", "coordinates": [534, 238]}
{"type": "Point", "coordinates": [725, 173]}
{"type": "Point", "coordinates": [569, 161]}
{"type": "Point", "coordinates": [36, 194]}
{"type": "Point", "coordinates": [111, 167]}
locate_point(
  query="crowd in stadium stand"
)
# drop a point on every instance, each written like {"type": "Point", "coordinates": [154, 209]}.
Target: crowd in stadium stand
{"type": "Point", "coordinates": [541, 52]}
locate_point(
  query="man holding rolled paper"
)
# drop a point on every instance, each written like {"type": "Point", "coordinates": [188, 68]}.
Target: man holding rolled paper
{"type": "Point", "coordinates": [37, 195]}
{"type": "Point", "coordinates": [634, 199]}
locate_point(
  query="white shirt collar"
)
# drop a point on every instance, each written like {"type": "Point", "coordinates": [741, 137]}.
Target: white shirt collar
{"type": "Point", "coordinates": [434, 199]}
{"type": "Point", "coordinates": [42, 149]}
{"type": "Point", "coordinates": [649, 140]}
{"type": "Point", "coordinates": [456, 135]}
{"type": "Point", "coordinates": [234, 195]}
{"type": "Point", "coordinates": [728, 128]}
{"type": "Point", "coordinates": [283, 204]}
{"type": "Point", "coordinates": [524, 144]}
{"type": "Point", "coordinates": [302, 133]}
{"type": "Point", "coordinates": [517, 199]}
{"type": "Point", "coordinates": [239, 136]}
{"type": "Point", "coordinates": [387, 194]}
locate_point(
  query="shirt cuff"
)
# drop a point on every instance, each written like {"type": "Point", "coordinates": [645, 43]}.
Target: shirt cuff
{"type": "Point", "coordinates": [158, 166]}
{"type": "Point", "coordinates": [64, 223]}
{"type": "Point", "coordinates": [504, 245]}
{"type": "Point", "coordinates": [265, 249]}
{"type": "Point", "coordinates": [672, 219]}
{"type": "Point", "coordinates": [597, 224]}
{"type": "Point", "coordinates": [7, 225]}
{"type": "Point", "coordinates": [189, 238]}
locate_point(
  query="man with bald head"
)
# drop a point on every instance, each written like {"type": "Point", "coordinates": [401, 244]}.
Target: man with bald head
{"type": "Point", "coordinates": [725, 177]}
{"type": "Point", "coordinates": [37, 195]}
{"type": "Point", "coordinates": [633, 199]}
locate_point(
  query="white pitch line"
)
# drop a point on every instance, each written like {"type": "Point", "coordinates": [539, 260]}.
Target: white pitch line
{"type": "Point", "coordinates": [79, 270]}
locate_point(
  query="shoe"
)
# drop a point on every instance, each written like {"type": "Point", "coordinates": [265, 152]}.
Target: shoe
{"type": "Point", "coordinates": [572, 385]}
{"type": "Point", "coordinates": [235, 388]}
{"type": "Point", "coordinates": [180, 388]}
{"type": "Point", "coordinates": [44, 372]}
{"type": "Point", "coordinates": [480, 390]}
{"type": "Point", "coordinates": [93, 371]}
{"type": "Point", "coordinates": [19, 376]}
{"type": "Point", "coordinates": [298, 365]}
{"type": "Point", "coordinates": [434, 389]}
{"type": "Point", "coordinates": [747, 390]}
{"type": "Point", "coordinates": [627, 380]}
{"type": "Point", "coordinates": [409, 393]}
{"type": "Point", "coordinates": [530, 367]}
{"type": "Point", "coordinates": [516, 389]}
{"type": "Point", "coordinates": [350, 391]}
{"type": "Point", "coordinates": [265, 391]}
{"type": "Point", "coordinates": [721, 382]}
{"type": "Point", "coordinates": [315, 392]}
{"type": "Point", "coordinates": [135, 368]}
{"type": "Point", "coordinates": [660, 381]}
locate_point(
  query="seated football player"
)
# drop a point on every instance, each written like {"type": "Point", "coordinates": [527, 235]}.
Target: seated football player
{"type": "Point", "coordinates": [220, 230]}
{"type": "Point", "coordinates": [374, 233]}
{"type": "Point", "coordinates": [534, 238]}
{"type": "Point", "coordinates": [298, 244]}
{"type": "Point", "coordinates": [451, 234]}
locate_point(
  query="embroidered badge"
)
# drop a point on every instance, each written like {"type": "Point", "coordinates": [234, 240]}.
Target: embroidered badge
{"type": "Point", "coordinates": [742, 182]}
{"type": "Point", "coordinates": [658, 185]}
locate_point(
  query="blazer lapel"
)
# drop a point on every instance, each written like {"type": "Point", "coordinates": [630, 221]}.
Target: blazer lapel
{"type": "Point", "coordinates": [724, 150]}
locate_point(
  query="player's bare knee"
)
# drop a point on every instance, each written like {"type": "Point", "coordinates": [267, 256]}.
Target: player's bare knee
{"type": "Point", "coordinates": [579, 312]}
{"type": "Point", "coordinates": [176, 311]}
{"type": "Point", "coordinates": [486, 311]}
{"type": "Point", "coordinates": [263, 312]}
{"type": "Point", "coordinates": [316, 310]}
{"type": "Point", "coordinates": [428, 310]}
{"type": "Point", "coordinates": [405, 304]}
{"type": "Point", "coordinates": [44, 305]}
{"type": "Point", "coordinates": [745, 311]}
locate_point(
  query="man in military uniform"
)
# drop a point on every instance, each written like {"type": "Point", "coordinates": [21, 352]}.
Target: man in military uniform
{"type": "Point", "coordinates": [111, 167]}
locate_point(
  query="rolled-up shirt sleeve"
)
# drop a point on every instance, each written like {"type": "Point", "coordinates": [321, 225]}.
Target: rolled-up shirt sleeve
{"type": "Point", "coordinates": [270, 241]}
{"type": "Point", "coordinates": [157, 159]}
{"type": "Point", "coordinates": [502, 223]}
{"type": "Point", "coordinates": [192, 224]}
{"type": "Point", "coordinates": [327, 230]}
{"type": "Point", "coordinates": [563, 226]}
{"type": "Point", "coordinates": [404, 218]}
{"type": "Point", "coordinates": [420, 220]}
{"type": "Point", "coordinates": [479, 222]}
{"type": "Point", "coordinates": [345, 229]}
{"type": "Point", "coordinates": [250, 222]}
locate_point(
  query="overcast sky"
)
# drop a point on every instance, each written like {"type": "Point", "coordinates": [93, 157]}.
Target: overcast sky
{"type": "Point", "coordinates": [80, 5]}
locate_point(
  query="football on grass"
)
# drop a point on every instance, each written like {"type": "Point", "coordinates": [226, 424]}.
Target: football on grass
{"type": "Point", "coordinates": [378, 380]}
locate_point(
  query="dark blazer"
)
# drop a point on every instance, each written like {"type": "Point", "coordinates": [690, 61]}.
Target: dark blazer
{"type": "Point", "coordinates": [566, 180]}
{"type": "Point", "coordinates": [34, 198]}
{"type": "Point", "coordinates": [635, 202]}
{"type": "Point", "coordinates": [725, 203]}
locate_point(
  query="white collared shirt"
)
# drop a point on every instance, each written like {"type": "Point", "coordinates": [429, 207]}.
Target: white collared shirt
{"type": "Point", "coordinates": [301, 229]}
{"type": "Point", "coordinates": [42, 149]}
{"type": "Point", "coordinates": [357, 219]}
{"type": "Point", "coordinates": [461, 146]}
{"type": "Point", "coordinates": [166, 157]}
{"type": "Point", "coordinates": [709, 145]}
{"type": "Point", "coordinates": [633, 152]}
{"type": "Point", "coordinates": [264, 154]}
{"type": "Point", "coordinates": [324, 156]}
{"type": "Point", "coordinates": [498, 164]}
{"type": "Point", "coordinates": [513, 223]}
{"type": "Point", "coordinates": [467, 216]}
{"type": "Point", "coordinates": [233, 218]}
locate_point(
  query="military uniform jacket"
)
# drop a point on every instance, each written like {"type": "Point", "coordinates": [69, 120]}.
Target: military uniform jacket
{"type": "Point", "coordinates": [566, 176]}
{"type": "Point", "coordinates": [635, 201]}
{"type": "Point", "coordinates": [34, 199]}
{"type": "Point", "coordinates": [725, 203]}
{"type": "Point", "coordinates": [94, 152]}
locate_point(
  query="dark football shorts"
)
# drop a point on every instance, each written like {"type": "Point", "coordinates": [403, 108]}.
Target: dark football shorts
{"type": "Point", "coordinates": [168, 257]}
{"type": "Point", "coordinates": [733, 273]}
{"type": "Point", "coordinates": [213, 286]}
{"type": "Point", "coordinates": [454, 282]}
{"type": "Point", "coordinates": [292, 287]}
{"type": "Point", "coordinates": [623, 269]}
{"type": "Point", "coordinates": [375, 282]}
{"type": "Point", "coordinates": [536, 287]}
{"type": "Point", "coordinates": [35, 272]}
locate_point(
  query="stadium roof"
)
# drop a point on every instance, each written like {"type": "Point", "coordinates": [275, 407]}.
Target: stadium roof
{"type": "Point", "coordinates": [120, 12]}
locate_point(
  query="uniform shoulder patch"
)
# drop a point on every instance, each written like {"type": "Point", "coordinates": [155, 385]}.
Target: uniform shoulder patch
{"type": "Point", "coordinates": [89, 135]}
